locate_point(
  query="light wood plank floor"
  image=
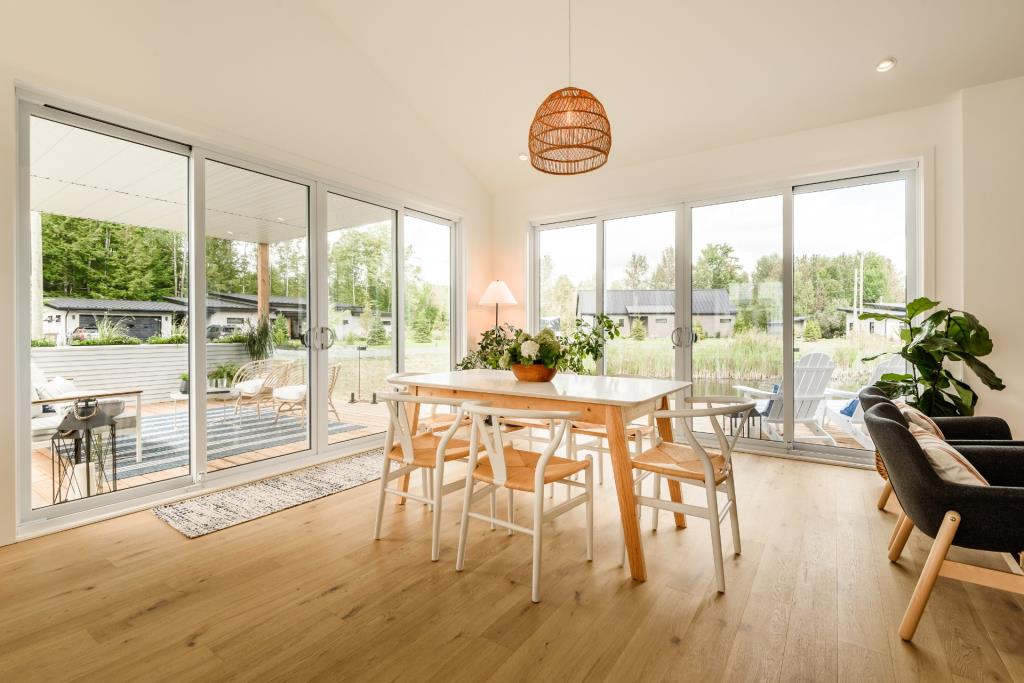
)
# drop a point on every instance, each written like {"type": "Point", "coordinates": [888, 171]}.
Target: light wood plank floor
{"type": "Point", "coordinates": [305, 594]}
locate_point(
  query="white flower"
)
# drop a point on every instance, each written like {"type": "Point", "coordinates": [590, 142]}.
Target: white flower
{"type": "Point", "coordinates": [529, 350]}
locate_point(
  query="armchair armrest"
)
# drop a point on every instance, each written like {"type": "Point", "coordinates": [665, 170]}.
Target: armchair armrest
{"type": "Point", "coordinates": [840, 393]}
{"type": "Point", "coordinates": [757, 393]}
{"type": "Point", "coordinates": [992, 517]}
{"type": "Point", "coordinates": [1001, 465]}
{"type": "Point", "coordinates": [979, 427]}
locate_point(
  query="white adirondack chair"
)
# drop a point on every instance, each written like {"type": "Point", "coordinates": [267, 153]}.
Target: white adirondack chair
{"type": "Point", "coordinates": [811, 376]}
{"type": "Point", "coordinates": [854, 424]}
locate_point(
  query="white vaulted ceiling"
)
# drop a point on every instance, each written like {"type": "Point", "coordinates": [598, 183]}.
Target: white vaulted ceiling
{"type": "Point", "coordinates": [676, 76]}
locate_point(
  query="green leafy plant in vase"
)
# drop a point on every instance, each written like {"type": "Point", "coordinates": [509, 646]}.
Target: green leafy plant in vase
{"type": "Point", "coordinates": [946, 334]}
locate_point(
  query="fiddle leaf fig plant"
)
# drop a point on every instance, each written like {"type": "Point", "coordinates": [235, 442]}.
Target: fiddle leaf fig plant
{"type": "Point", "coordinates": [945, 334]}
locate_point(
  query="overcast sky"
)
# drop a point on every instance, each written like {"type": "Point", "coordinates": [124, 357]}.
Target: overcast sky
{"type": "Point", "coordinates": [833, 222]}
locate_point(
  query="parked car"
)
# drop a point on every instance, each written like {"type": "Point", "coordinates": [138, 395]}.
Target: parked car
{"type": "Point", "coordinates": [218, 331]}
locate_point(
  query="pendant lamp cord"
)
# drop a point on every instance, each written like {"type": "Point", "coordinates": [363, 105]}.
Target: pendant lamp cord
{"type": "Point", "coordinates": [570, 42]}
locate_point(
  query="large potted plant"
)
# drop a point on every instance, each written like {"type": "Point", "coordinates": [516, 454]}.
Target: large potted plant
{"type": "Point", "coordinates": [946, 334]}
{"type": "Point", "coordinates": [502, 348]}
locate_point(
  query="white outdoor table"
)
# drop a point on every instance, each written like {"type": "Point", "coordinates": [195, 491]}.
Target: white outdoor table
{"type": "Point", "coordinates": [610, 401]}
{"type": "Point", "coordinates": [214, 394]}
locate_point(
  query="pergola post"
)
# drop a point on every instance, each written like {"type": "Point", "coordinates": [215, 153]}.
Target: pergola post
{"type": "Point", "coordinates": [263, 280]}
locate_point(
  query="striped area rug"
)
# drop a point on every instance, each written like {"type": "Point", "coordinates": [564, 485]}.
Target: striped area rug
{"type": "Point", "coordinates": [222, 509]}
{"type": "Point", "coordinates": [165, 439]}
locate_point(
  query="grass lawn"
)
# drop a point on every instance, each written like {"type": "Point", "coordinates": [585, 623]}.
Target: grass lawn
{"type": "Point", "coordinates": [750, 358]}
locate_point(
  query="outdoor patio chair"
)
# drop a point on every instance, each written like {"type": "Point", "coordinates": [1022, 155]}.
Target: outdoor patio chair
{"type": "Point", "coordinates": [847, 412]}
{"type": "Point", "coordinates": [811, 376]}
{"type": "Point", "coordinates": [979, 506]}
{"type": "Point", "coordinates": [251, 383]}
{"type": "Point", "coordinates": [431, 417]}
{"type": "Point", "coordinates": [289, 391]}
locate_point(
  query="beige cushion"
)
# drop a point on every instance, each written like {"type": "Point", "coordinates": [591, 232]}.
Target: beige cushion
{"type": "Point", "coordinates": [37, 408]}
{"type": "Point", "coordinates": [947, 461]}
{"type": "Point", "coordinates": [57, 387]}
{"type": "Point", "coordinates": [251, 387]}
{"type": "Point", "coordinates": [917, 417]}
{"type": "Point", "coordinates": [294, 392]}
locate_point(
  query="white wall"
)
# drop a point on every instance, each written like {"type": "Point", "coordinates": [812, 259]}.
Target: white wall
{"type": "Point", "coordinates": [266, 78]}
{"type": "Point", "coordinates": [931, 133]}
{"type": "Point", "coordinates": [993, 124]}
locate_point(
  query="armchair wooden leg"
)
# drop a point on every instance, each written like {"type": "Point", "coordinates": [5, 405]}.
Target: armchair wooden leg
{"type": "Point", "coordinates": [900, 539]}
{"type": "Point", "coordinates": [895, 529]}
{"type": "Point", "coordinates": [883, 497]}
{"type": "Point", "coordinates": [932, 566]}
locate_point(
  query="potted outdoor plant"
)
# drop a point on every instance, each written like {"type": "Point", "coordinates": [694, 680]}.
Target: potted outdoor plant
{"type": "Point", "coordinates": [946, 334]}
{"type": "Point", "coordinates": [183, 387]}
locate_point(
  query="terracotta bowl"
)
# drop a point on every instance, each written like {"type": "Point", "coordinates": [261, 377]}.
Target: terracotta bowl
{"type": "Point", "coordinates": [533, 373]}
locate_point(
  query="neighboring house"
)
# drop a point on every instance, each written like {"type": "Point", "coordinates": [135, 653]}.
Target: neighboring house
{"type": "Point", "coordinates": [239, 310]}
{"type": "Point", "coordinates": [141, 319]}
{"type": "Point", "coordinates": [656, 310]}
{"type": "Point", "coordinates": [351, 321]}
{"type": "Point", "coordinates": [775, 326]}
{"type": "Point", "coordinates": [882, 328]}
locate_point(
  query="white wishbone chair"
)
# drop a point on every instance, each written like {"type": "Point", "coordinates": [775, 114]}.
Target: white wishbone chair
{"type": "Point", "coordinates": [425, 451]}
{"type": "Point", "coordinates": [431, 419]}
{"type": "Point", "coordinates": [691, 463]}
{"type": "Point", "coordinates": [512, 469]}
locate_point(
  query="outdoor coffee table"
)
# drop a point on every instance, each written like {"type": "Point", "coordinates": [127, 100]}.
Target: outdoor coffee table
{"type": "Point", "coordinates": [223, 395]}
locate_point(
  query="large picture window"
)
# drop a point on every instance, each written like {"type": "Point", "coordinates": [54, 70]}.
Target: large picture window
{"type": "Point", "coordinates": [187, 313]}
{"type": "Point", "coordinates": [706, 298]}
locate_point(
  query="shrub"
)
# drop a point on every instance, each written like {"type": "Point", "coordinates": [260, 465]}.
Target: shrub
{"type": "Point", "coordinates": [637, 331]}
{"type": "Point", "coordinates": [172, 339]}
{"type": "Point", "coordinates": [812, 330]}
{"type": "Point", "coordinates": [699, 330]}
{"type": "Point", "coordinates": [42, 343]}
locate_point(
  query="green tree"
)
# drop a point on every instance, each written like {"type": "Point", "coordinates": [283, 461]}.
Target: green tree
{"type": "Point", "coordinates": [376, 334]}
{"type": "Point", "coordinates": [664, 276]}
{"type": "Point", "coordinates": [716, 268]}
{"type": "Point", "coordinates": [812, 330]}
{"type": "Point", "coordinates": [637, 330]}
{"type": "Point", "coordinates": [636, 272]}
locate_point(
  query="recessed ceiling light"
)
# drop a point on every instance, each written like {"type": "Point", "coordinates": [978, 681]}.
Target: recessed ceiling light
{"type": "Point", "coordinates": [887, 64]}
{"type": "Point", "coordinates": [231, 232]}
{"type": "Point", "coordinates": [280, 220]}
{"type": "Point", "coordinates": [523, 157]}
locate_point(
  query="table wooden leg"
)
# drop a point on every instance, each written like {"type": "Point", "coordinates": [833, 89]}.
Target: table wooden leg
{"type": "Point", "coordinates": [675, 491]}
{"type": "Point", "coordinates": [414, 420]}
{"type": "Point", "coordinates": [623, 472]}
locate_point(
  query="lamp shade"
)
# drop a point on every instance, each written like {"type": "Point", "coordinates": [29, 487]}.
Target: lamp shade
{"type": "Point", "coordinates": [570, 133]}
{"type": "Point", "coordinates": [497, 293]}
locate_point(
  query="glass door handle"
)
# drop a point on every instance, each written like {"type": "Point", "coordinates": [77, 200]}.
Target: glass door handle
{"type": "Point", "coordinates": [332, 337]}
{"type": "Point", "coordinates": [682, 336]}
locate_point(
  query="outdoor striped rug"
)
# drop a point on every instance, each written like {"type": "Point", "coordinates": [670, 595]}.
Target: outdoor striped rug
{"type": "Point", "coordinates": [165, 439]}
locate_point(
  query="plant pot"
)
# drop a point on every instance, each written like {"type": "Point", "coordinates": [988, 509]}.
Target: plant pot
{"type": "Point", "coordinates": [183, 387]}
{"type": "Point", "coordinates": [534, 373]}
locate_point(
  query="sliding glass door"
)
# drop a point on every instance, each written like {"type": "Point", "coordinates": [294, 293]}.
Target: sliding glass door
{"type": "Point", "coordinates": [749, 296]}
{"type": "Point", "coordinates": [360, 329]}
{"type": "Point", "coordinates": [736, 303]}
{"type": "Point", "coordinates": [184, 314]}
{"type": "Point", "coordinates": [257, 316]}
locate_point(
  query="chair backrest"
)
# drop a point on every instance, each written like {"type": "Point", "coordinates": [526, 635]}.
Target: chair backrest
{"type": "Point", "coordinates": [400, 425]}
{"type": "Point", "coordinates": [889, 365]}
{"type": "Point", "coordinates": [489, 436]}
{"type": "Point", "coordinates": [811, 376]}
{"type": "Point", "coordinates": [872, 396]}
{"type": "Point", "coordinates": [333, 372]}
{"type": "Point", "coordinates": [717, 409]}
{"type": "Point", "coordinates": [256, 369]}
{"type": "Point", "coordinates": [285, 373]}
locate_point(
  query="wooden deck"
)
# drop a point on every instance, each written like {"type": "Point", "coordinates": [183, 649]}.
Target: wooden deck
{"type": "Point", "coordinates": [305, 594]}
{"type": "Point", "coordinates": [372, 417]}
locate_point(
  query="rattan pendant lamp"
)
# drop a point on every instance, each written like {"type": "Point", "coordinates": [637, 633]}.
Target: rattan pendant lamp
{"type": "Point", "coordinates": [570, 133]}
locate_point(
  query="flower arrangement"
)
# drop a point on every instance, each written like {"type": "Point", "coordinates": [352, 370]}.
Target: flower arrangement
{"type": "Point", "coordinates": [507, 346]}
{"type": "Point", "coordinates": [544, 348]}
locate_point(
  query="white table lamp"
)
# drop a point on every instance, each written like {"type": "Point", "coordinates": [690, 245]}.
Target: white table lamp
{"type": "Point", "coordinates": [497, 293]}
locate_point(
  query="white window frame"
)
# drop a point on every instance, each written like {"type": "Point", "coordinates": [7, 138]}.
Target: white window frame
{"type": "Point", "coordinates": [908, 170]}
{"type": "Point", "coordinates": [54, 517]}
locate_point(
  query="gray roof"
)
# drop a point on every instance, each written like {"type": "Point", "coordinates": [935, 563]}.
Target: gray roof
{"type": "Point", "coordinates": [278, 302]}
{"type": "Point", "coordinates": [215, 303]}
{"type": "Point", "coordinates": [878, 307]}
{"type": "Point", "coordinates": [115, 305]}
{"type": "Point", "coordinates": [647, 301]}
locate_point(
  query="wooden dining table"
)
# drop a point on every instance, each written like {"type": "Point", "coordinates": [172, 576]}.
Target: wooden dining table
{"type": "Point", "coordinates": [614, 402]}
